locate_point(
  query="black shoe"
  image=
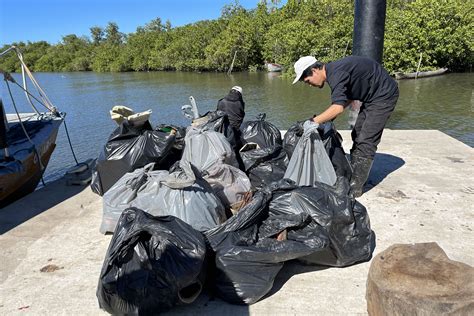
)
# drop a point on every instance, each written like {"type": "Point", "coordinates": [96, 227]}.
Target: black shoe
{"type": "Point", "coordinates": [360, 172]}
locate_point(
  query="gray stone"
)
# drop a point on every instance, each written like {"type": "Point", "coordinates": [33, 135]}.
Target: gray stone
{"type": "Point", "coordinates": [419, 279]}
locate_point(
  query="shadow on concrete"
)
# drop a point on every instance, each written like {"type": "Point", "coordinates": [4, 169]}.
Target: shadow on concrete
{"type": "Point", "coordinates": [36, 203]}
{"type": "Point", "coordinates": [384, 164]}
{"type": "Point", "coordinates": [290, 269]}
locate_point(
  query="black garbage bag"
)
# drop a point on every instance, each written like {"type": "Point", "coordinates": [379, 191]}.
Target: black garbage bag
{"type": "Point", "coordinates": [332, 141]}
{"type": "Point", "coordinates": [248, 254]}
{"type": "Point", "coordinates": [261, 132]}
{"type": "Point", "coordinates": [128, 148]}
{"type": "Point", "coordinates": [263, 165]}
{"type": "Point", "coordinates": [152, 264]}
{"type": "Point", "coordinates": [178, 146]}
{"type": "Point", "coordinates": [342, 221]}
{"type": "Point", "coordinates": [291, 138]}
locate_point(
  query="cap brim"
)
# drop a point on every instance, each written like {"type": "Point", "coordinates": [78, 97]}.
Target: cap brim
{"type": "Point", "coordinates": [297, 78]}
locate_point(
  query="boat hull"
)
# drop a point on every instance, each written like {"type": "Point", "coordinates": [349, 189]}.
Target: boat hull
{"type": "Point", "coordinates": [271, 67]}
{"type": "Point", "coordinates": [421, 74]}
{"type": "Point", "coordinates": [24, 177]}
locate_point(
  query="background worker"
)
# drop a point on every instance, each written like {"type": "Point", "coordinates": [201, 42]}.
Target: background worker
{"type": "Point", "coordinates": [234, 106]}
{"type": "Point", "coordinates": [354, 78]}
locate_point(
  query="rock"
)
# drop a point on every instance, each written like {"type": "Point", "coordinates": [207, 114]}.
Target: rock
{"type": "Point", "coordinates": [419, 279]}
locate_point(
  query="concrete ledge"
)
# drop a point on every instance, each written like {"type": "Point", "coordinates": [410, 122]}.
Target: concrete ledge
{"type": "Point", "coordinates": [421, 189]}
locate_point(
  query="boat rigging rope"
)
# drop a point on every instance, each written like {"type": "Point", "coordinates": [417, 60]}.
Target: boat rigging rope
{"type": "Point", "coordinates": [45, 102]}
{"type": "Point", "coordinates": [49, 105]}
{"type": "Point", "coordinates": [69, 140]}
{"type": "Point", "coordinates": [10, 78]}
{"type": "Point", "coordinates": [63, 117]}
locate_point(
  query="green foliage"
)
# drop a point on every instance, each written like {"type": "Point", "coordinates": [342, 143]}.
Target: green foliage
{"type": "Point", "coordinates": [442, 30]}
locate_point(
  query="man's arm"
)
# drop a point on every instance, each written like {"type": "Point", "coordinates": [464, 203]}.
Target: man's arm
{"type": "Point", "coordinates": [330, 113]}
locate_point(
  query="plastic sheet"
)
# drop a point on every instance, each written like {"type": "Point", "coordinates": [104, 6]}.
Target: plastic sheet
{"type": "Point", "coordinates": [335, 217]}
{"type": "Point", "coordinates": [261, 132]}
{"type": "Point", "coordinates": [310, 162]}
{"type": "Point", "coordinates": [152, 264]}
{"type": "Point", "coordinates": [204, 148]}
{"type": "Point", "coordinates": [127, 149]}
{"type": "Point", "coordinates": [263, 165]}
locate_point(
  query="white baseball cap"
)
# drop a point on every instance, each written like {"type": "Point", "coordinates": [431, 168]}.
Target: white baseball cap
{"type": "Point", "coordinates": [301, 65]}
{"type": "Point", "coordinates": [237, 88]}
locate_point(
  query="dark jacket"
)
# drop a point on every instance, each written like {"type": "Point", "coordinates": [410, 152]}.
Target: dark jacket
{"type": "Point", "coordinates": [234, 106]}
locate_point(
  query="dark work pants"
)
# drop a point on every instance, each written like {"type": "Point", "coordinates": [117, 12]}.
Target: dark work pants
{"type": "Point", "coordinates": [369, 126]}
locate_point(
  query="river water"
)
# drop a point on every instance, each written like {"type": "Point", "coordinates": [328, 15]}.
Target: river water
{"type": "Point", "coordinates": [444, 103]}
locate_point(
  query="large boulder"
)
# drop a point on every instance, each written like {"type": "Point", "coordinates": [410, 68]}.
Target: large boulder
{"type": "Point", "coordinates": [419, 279]}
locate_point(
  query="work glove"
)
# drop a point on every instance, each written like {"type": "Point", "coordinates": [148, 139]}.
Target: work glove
{"type": "Point", "coordinates": [311, 119]}
{"type": "Point", "coordinates": [310, 124]}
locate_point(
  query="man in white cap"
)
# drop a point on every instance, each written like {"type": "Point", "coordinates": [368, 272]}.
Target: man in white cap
{"type": "Point", "coordinates": [234, 106]}
{"type": "Point", "coordinates": [354, 78]}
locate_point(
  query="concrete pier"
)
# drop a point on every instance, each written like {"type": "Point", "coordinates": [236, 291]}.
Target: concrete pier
{"type": "Point", "coordinates": [421, 189]}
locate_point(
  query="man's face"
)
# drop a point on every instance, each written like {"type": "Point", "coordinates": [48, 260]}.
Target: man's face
{"type": "Point", "coordinates": [316, 79]}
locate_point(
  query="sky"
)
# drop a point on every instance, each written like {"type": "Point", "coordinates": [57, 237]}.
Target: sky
{"type": "Point", "coordinates": [50, 20]}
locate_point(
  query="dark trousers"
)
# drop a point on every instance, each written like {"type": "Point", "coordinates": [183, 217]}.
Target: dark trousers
{"type": "Point", "coordinates": [369, 126]}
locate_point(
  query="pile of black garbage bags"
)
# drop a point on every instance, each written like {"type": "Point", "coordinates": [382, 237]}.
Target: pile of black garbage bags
{"type": "Point", "coordinates": [212, 207]}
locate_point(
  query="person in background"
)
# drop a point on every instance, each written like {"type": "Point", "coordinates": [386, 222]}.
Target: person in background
{"type": "Point", "coordinates": [234, 106]}
{"type": "Point", "coordinates": [354, 78]}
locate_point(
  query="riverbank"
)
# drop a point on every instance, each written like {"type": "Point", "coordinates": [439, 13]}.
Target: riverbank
{"type": "Point", "coordinates": [420, 191]}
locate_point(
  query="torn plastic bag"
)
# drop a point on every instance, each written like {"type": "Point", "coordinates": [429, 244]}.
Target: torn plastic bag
{"type": "Point", "coordinates": [123, 193]}
{"type": "Point", "coordinates": [128, 148]}
{"type": "Point", "coordinates": [152, 264]}
{"type": "Point", "coordinates": [248, 255]}
{"type": "Point", "coordinates": [263, 165]}
{"type": "Point", "coordinates": [184, 194]}
{"type": "Point", "coordinates": [332, 141]}
{"type": "Point", "coordinates": [310, 162]}
{"type": "Point", "coordinates": [205, 148]}
{"type": "Point", "coordinates": [261, 132]}
{"type": "Point", "coordinates": [336, 217]}
{"type": "Point", "coordinates": [217, 121]}
{"type": "Point", "coordinates": [230, 184]}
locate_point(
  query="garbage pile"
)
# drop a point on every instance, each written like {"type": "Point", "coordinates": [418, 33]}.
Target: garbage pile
{"type": "Point", "coordinates": [212, 207]}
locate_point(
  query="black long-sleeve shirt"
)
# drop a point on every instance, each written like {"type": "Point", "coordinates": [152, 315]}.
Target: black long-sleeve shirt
{"type": "Point", "coordinates": [359, 78]}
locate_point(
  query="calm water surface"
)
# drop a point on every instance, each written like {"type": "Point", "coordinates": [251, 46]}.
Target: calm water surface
{"type": "Point", "coordinates": [444, 103]}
